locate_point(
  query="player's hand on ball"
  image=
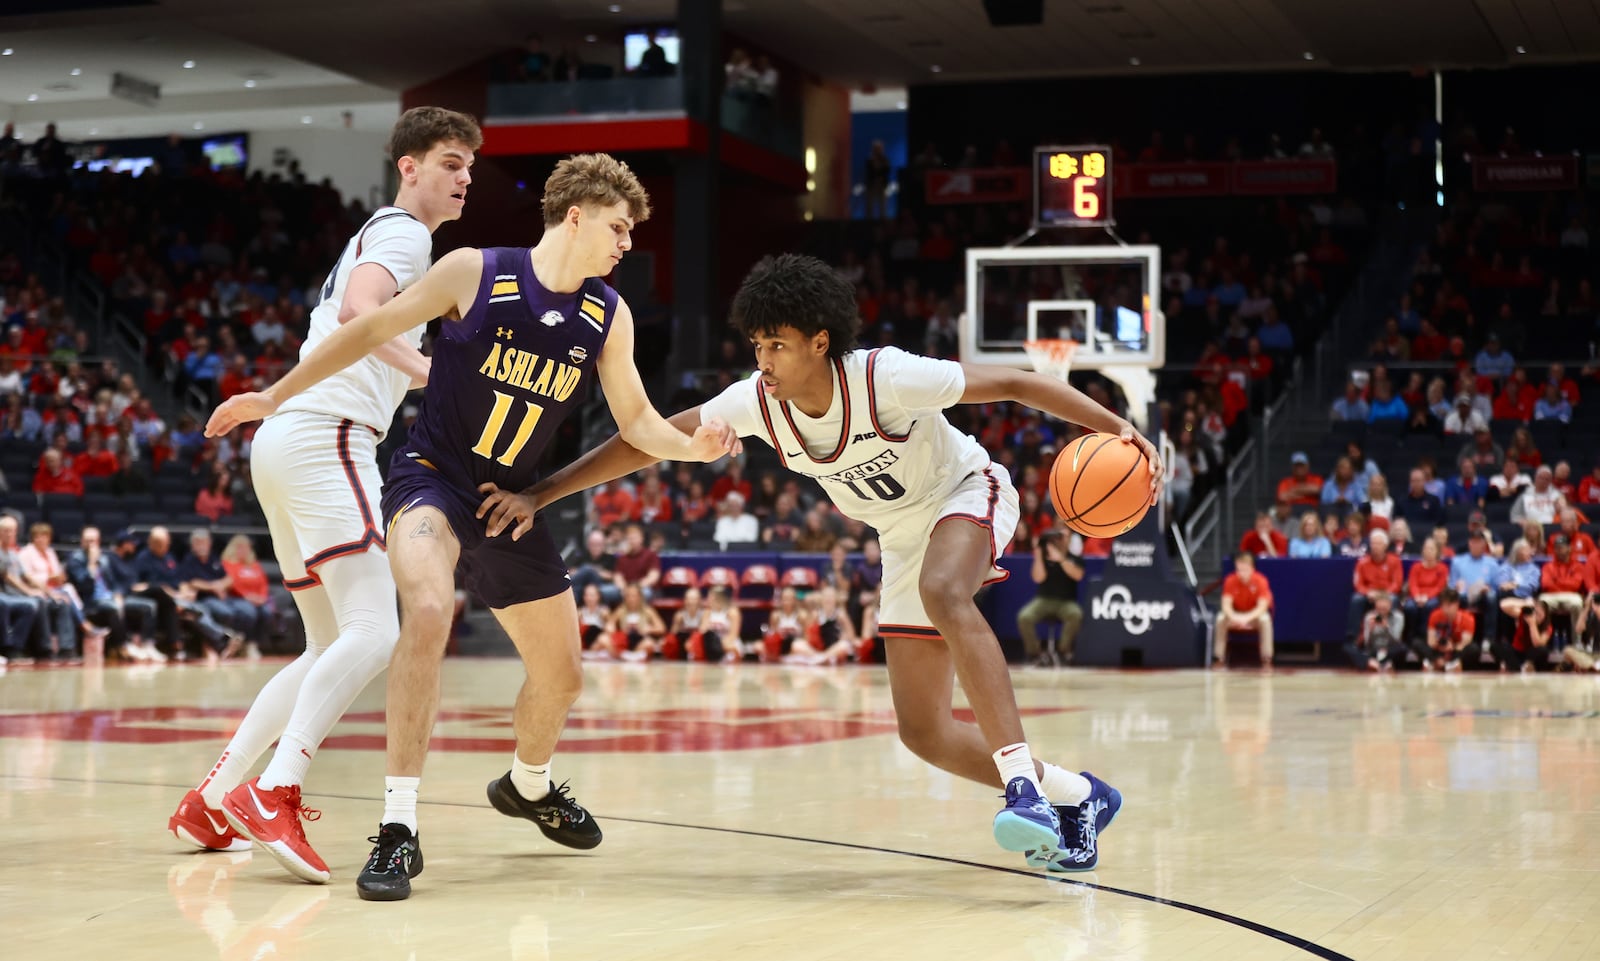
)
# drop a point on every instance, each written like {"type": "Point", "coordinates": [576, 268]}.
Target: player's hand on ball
{"type": "Point", "coordinates": [713, 439]}
{"type": "Point", "coordinates": [1157, 469]}
{"type": "Point", "coordinates": [240, 409]}
{"type": "Point", "coordinates": [506, 507]}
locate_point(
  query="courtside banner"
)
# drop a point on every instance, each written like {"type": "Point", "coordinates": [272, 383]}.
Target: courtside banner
{"type": "Point", "coordinates": [988, 185]}
{"type": "Point", "coordinates": [1524, 173]}
{"type": "Point", "coordinates": [1172, 180]}
{"type": "Point", "coordinates": [1285, 177]}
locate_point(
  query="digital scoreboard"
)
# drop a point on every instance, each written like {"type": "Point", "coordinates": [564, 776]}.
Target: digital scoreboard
{"type": "Point", "coordinates": [1072, 187]}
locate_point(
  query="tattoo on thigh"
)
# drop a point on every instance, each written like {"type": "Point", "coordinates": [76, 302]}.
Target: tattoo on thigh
{"type": "Point", "coordinates": [424, 529]}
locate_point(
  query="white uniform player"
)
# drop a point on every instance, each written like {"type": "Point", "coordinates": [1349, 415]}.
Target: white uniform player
{"type": "Point", "coordinates": [315, 468]}
{"type": "Point", "coordinates": [886, 456]}
{"type": "Point", "coordinates": [315, 461]}
{"type": "Point", "coordinates": [877, 440]}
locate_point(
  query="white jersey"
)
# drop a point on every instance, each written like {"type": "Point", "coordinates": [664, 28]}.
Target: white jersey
{"type": "Point", "coordinates": [368, 391]}
{"type": "Point", "coordinates": [883, 449]}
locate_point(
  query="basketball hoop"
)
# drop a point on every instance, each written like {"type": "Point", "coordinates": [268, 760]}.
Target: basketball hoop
{"type": "Point", "coordinates": [1051, 357]}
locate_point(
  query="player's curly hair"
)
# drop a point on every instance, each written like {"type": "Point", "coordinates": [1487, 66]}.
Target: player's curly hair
{"type": "Point", "coordinates": [593, 179]}
{"type": "Point", "coordinates": [420, 129]}
{"type": "Point", "coordinates": [793, 290]}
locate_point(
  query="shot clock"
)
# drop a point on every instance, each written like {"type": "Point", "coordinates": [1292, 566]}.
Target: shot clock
{"type": "Point", "coordinates": [1072, 187]}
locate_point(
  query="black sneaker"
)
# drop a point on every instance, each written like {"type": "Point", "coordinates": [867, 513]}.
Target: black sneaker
{"type": "Point", "coordinates": [562, 819]}
{"type": "Point", "coordinates": [394, 862]}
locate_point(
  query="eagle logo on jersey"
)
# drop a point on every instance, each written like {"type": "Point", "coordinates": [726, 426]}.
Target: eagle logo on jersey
{"type": "Point", "coordinates": [577, 355]}
{"type": "Point", "coordinates": [551, 317]}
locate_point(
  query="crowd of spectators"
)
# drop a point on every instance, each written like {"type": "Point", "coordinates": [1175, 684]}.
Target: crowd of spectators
{"type": "Point", "coordinates": [217, 273]}
{"type": "Point", "coordinates": [637, 603]}
{"type": "Point", "coordinates": [1472, 396]}
{"type": "Point", "coordinates": [131, 598]}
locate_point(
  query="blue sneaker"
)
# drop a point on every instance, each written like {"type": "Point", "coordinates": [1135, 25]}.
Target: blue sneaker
{"type": "Point", "coordinates": [1028, 822]}
{"type": "Point", "coordinates": [1081, 827]}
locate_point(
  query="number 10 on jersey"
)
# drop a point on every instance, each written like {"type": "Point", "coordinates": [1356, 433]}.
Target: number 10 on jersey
{"type": "Point", "coordinates": [497, 420]}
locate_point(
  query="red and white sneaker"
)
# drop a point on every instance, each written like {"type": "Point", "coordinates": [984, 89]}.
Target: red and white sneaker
{"type": "Point", "coordinates": [204, 827]}
{"type": "Point", "coordinates": [271, 818]}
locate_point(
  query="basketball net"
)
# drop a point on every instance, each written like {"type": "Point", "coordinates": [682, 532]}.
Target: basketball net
{"type": "Point", "coordinates": [1051, 357]}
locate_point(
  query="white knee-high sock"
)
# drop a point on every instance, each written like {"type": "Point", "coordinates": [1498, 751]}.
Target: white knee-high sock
{"type": "Point", "coordinates": [361, 593]}
{"type": "Point", "coordinates": [262, 725]}
{"type": "Point", "coordinates": [277, 700]}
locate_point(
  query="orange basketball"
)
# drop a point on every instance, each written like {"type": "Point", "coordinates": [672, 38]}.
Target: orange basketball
{"type": "Point", "coordinates": [1100, 486]}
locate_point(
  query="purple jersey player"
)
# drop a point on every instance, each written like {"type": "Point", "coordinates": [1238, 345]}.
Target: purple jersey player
{"type": "Point", "coordinates": [525, 330]}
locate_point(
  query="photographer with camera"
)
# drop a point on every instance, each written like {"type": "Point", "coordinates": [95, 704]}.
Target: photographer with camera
{"type": "Point", "coordinates": [1529, 647]}
{"type": "Point", "coordinates": [1381, 641]}
{"type": "Point", "coordinates": [1057, 569]}
{"type": "Point", "coordinates": [1448, 645]}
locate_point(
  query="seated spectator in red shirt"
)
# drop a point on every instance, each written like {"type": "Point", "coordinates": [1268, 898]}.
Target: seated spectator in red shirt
{"type": "Point", "coordinates": [1257, 363]}
{"type": "Point", "coordinates": [1515, 402]}
{"type": "Point", "coordinates": [1563, 582]}
{"type": "Point", "coordinates": [1246, 606]}
{"type": "Point", "coordinates": [732, 480]}
{"type": "Point", "coordinates": [56, 476]}
{"type": "Point", "coordinates": [95, 461]}
{"type": "Point", "coordinates": [610, 505]}
{"type": "Point", "coordinates": [214, 501]}
{"type": "Point", "coordinates": [236, 378]}
{"type": "Point", "coordinates": [159, 315]}
{"type": "Point", "coordinates": [1429, 345]}
{"type": "Point", "coordinates": [1234, 401]}
{"type": "Point", "coordinates": [1212, 367]}
{"type": "Point", "coordinates": [1583, 547]}
{"type": "Point", "coordinates": [1301, 488]}
{"type": "Point", "coordinates": [637, 564]}
{"type": "Point", "coordinates": [1426, 581]}
{"type": "Point", "coordinates": [1523, 450]}
{"type": "Point", "coordinates": [1589, 487]}
{"type": "Point", "coordinates": [1265, 540]}
{"type": "Point", "coordinates": [652, 505]}
{"type": "Point", "coordinates": [694, 505]}
{"type": "Point", "coordinates": [1378, 571]}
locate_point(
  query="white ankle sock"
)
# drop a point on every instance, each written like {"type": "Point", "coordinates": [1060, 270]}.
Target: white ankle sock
{"type": "Point", "coordinates": [289, 763]}
{"type": "Point", "coordinates": [1062, 786]}
{"type": "Point", "coordinates": [1014, 761]}
{"type": "Point", "coordinates": [532, 781]}
{"type": "Point", "coordinates": [400, 801]}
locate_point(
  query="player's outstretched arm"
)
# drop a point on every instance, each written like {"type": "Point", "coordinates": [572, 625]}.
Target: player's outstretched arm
{"type": "Point", "coordinates": [371, 286]}
{"type": "Point", "coordinates": [638, 422]}
{"type": "Point", "coordinates": [988, 385]}
{"type": "Point", "coordinates": [613, 459]}
{"type": "Point", "coordinates": [447, 290]}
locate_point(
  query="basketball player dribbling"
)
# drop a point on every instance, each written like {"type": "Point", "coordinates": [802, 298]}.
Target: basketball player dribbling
{"type": "Point", "coordinates": [315, 468]}
{"type": "Point", "coordinates": [523, 329]}
{"type": "Point", "coordinates": [869, 425]}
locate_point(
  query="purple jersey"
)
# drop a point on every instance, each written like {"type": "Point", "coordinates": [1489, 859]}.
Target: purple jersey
{"type": "Point", "coordinates": [507, 374]}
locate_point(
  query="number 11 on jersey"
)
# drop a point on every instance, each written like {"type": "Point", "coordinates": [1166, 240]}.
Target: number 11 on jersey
{"type": "Point", "coordinates": [497, 420]}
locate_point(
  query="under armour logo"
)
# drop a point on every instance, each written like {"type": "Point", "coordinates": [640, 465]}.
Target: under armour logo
{"type": "Point", "coordinates": [503, 332]}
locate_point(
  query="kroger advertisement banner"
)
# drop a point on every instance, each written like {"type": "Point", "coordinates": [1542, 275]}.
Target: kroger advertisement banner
{"type": "Point", "coordinates": [1136, 613]}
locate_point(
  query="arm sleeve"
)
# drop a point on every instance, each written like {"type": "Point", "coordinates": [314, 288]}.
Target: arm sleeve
{"type": "Point", "coordinates": [918, 384]}
{"type": "Point", "coordinates": [739, 406]}
{"type": "Point", "coordinates": [401, 246]}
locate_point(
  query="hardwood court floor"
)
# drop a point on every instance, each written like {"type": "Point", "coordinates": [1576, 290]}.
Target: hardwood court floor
{"type": "Point", "coordinates": [770, 813]}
